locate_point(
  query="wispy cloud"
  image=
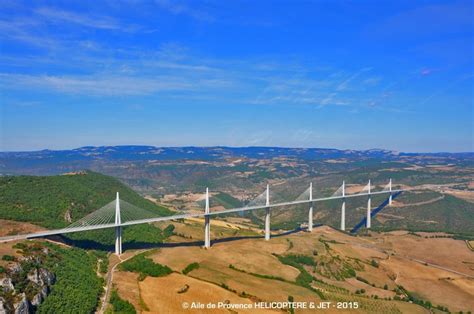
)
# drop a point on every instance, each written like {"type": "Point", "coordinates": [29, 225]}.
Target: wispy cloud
{"type": "Point", "coordinates": [100, 85]}
{"type": "Point", "coordinates": [344, 85]}
{"type": "Point", "coordinates": [99, 22]}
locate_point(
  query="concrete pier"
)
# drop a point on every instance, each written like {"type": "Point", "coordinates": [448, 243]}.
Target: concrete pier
{"type": "Point", "coordinates": [118, 240]}
{"type": "Point", "coordinates": [267, 215]}
{"type": "Point", "coordinates": [118, 228]}
{"type": "Point", "coordinates": [343, 207]}
{"type": "Point", "coordinates": [310, 213]}
{"type": "Point", "coordinates": [390, 189]}
{"type": "Point", "coordinates": [369, 208]}
{"type": "Point", "coordinates": [207, 223]}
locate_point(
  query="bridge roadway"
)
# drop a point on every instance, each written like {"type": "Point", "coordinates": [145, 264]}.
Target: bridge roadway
{"type": "Point", "coordinates": [182, 216]}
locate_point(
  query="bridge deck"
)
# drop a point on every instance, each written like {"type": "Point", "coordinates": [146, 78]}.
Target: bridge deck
{"type": "Point", "coordinates": [182, 216]}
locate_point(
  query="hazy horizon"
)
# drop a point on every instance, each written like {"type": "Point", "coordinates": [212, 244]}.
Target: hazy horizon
{"type": "Point", "coordinates": [228, 146]}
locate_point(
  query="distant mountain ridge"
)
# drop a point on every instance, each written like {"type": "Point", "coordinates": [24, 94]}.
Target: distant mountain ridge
{"type": "Point", "coordinates": [212, 152]}
{"type": "Point", "coordinates": [57, 161]}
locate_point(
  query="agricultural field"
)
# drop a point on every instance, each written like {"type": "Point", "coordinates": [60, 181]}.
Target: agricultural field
{"type": "Point", "coordinates": [383, 271]}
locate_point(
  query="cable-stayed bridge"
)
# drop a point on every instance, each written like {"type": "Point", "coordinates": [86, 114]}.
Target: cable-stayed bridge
{"type": "Point", "coordinates": [118, 213]}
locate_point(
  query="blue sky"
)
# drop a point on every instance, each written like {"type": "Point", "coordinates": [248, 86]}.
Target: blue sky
{"type": "Point", "coordinates": [342, 74]}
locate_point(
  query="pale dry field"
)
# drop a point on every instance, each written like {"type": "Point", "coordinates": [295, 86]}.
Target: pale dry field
{"type": "Point", "coordinates": [256, 256]}
{"type": "Point", "coordinates": [253, 255]}
{"type": "Point", "coordinates": [10, 227]}
{"type": "Point", "coordinates": [193, 230]}
{"type": "Point", "coordinates": [457, 293]}
{"type": "Point", "coordinates": [6, 248]}
{"type": "Point", "coordinates": [161, 295]}
{"type": "Point", "coordinates": [446, 252]}
{"type": "Point", "coordinates": [465, 195]}
{"type": "Point", "coordinates": [127, 287]}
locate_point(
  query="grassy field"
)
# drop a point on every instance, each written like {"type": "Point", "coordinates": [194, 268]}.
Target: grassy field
{"type": "Point", "coordinates": [371, 270]}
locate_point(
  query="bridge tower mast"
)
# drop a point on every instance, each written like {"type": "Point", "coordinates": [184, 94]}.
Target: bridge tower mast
{"type": "Point", "coordinates": [118, 228]}
{"type": "Point", "coordinates": [390, 189]}
{"type": "Point", "coordinates": [310, 213]}
{"type": "Point", "coordinates": [267, 215]}
{"type": "Point", "coordinates": [343, 207]}
{"type": "Point", "coordinates": [207, 223]}
{"type": "Point", "coordinates": [369, 208]}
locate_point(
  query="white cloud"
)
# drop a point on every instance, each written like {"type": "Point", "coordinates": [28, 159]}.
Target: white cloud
{"type": "Point", "coordinates": [99, 22]}
{"type": "Point", "coordinates": [99, 85]}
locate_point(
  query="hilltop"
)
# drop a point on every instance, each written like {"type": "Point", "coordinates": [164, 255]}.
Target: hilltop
{"type": "Point", "coordinates": [56, 201]}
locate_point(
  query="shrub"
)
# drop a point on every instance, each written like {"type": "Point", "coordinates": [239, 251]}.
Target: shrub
{"type": "Point", "coordinates": [363, 280]}
{"type": "Point", "coordinates": [145, 267]}
{"type": "Point", "coordinates": [299, 259]}
{"type": "Point", "coordinates": [168, 231]}
{"type": "Point", "coordinates": [8, 258]}
{"type": "Point", "coordinates": [120, 305]}
{"type": "Point", "coordinates": [190, 268]}
{"type": "Point", "coordinates": [20, 245]}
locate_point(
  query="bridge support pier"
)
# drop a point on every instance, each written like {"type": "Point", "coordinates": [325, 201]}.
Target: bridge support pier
{"type": "Point", "coordinates": [390, 189]}
{"type": "Point", "coordinates": [207, 223]}
{"type": "Point", "coordinates": [369, 209]}
{"type": "Point", "coordinates": [118, 240]}
{"type": "Point", "coordinates": [118, 228]}
{"type": "Point", "coordinates": [267, 215]}
{"type": "Point", "coordinates": [343, 207]}
{"type": "Point", "coordinates": [310, 213]}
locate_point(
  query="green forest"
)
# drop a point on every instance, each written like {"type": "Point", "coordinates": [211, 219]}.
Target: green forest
{"type": "Point", "coordinates": [76, 288]}
{"type": "Point", "coordinates": [48, 200]}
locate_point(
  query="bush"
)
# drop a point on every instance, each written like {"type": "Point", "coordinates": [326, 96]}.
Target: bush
{"type": "Point", "coordinates": [168, 231]}
{"type": "Point", "coordinates": [20, 245]}
{"type": "Point", "coordinates": [190, 268]}
{"type": "Point", "coordinates": [145, 267]}
{"type": "Point", "coordinates": [351, 273]}
{"type": "Point", "coordinates": [363, 280]}
{"type": "Point", "coordinates": [299, 259]}
{"type": "Point", "coordinates": [374, 263]}
{"type": "Point", "coordinates": [8, 258]}
{"type": "Point", "coordinates": [121, 306]}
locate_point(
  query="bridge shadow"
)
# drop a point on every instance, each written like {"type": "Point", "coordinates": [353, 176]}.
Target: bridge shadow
{"type": "Point", "coordinates": [93, 245]}
{"type": "Point", "coordinates": [229, 239]}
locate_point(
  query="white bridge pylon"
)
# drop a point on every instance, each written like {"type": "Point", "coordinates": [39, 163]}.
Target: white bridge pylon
{"type": "Point", "coordinates": [118, 214]}
{"type": "Point", "coordinates": [118, 228]}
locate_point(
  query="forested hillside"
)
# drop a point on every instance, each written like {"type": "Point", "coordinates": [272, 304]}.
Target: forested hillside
{"type": "Point", "coordinates": [55, 201]}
